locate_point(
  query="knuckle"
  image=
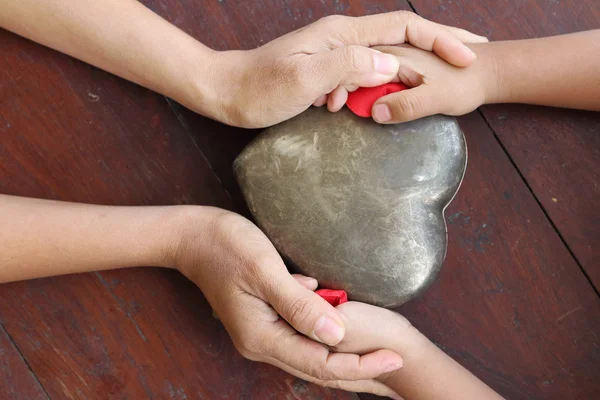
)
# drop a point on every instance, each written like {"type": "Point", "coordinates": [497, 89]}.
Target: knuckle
{"type": "Point", "coordinates": [405, 16]}
{"type": "Point", "coordinates": [320, 374]}
{"type": "Point", "coordinates": [352, 58]}
{"type": "Point", "coordinates": [250, 349]}
{"type": "Point", "coordinates": [319, 370]}
{"type": "Point", "coordinates": [332, 21]}
{"type": "Point", "coordinates": [299, 311]}
{"type": "Point", "coordinates": [406, 106]}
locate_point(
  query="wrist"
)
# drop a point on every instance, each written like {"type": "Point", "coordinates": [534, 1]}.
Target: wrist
{"type": "Point", "coordinates": [490, 73]}
{"type": "Point", "coordinates": [214, 89]}
{"type": "Point", "coordinates": [190, 229]}
{"type": "Point", "coordinates": [412, 343]}
{"type": "Point", "coordinates": [198, 83]}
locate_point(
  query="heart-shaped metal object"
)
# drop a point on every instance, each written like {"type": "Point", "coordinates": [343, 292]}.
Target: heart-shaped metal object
{"type": "Point", "coordinates": [357, 205]}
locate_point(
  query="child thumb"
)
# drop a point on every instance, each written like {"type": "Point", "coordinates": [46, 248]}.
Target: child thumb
{"type": "Point", "coordinates": [407, 105]}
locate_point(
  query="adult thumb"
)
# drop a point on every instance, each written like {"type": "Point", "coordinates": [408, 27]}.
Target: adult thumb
{"type": "Point", "coordinates": [354, 66]}
{"type": "Point", "coordinates": [306, 311]}
{"type": "Point", "coordinates": [406, 105]}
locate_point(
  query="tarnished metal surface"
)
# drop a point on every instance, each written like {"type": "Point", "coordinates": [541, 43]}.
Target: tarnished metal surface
{"type": "Point", "coordinates": [357, 205]}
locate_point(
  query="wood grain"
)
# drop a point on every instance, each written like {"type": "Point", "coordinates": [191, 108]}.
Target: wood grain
{"type": "Point", "coordinates": [557, 151]}
{"type": "Point", "coordinates": [71, 132]}
{"type": "Point", "coordinates": [511, 303]}
{"type": "Point", "coordinates": [16, 379]}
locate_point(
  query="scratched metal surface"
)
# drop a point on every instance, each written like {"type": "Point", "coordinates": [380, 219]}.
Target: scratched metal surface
{"type": "Point", "coordinates": [357, 205]}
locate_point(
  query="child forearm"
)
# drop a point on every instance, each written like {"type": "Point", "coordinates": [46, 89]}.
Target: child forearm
{"type": "Point", "coordinates": [560, 71]}
{"type": "Point", "coordinates": [42, 238]}
{"type": "Point", "coordinates": [428, 373]}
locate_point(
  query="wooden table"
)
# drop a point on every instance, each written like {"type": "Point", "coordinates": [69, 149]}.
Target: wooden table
{"type": "Point", "coordinates": [517, 301]}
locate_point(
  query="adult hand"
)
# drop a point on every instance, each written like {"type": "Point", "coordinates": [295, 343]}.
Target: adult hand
{"type": "Point", "coordinates": [321, 62]}
{"type": "Point", "coordinates": [271, 316]}
{"type": "Point", "coordinates": [316, 64]}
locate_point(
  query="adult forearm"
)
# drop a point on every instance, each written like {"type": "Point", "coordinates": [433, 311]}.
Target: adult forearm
{"type": "Point", "coordinates": [124, 38]}
{"type": "Point", "coordinates": [560, 71]}
{"type": "Point", "coordinates": [42, 238]}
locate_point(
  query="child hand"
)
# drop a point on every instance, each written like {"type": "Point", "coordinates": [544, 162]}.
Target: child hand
{"type": "Point", "coordinates": [437, 87]}
{"type": "Point", "coordinates": [427, 372]}
{"type": "Point", "coordinates": [371, 328]}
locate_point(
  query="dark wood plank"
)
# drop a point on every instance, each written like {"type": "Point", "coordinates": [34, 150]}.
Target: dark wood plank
{"type": "Point", "coordinates": [557, 151]}
{"type": "Point", "coordinates": [16, 379]}
{"type": "Point", "coordinates": [71, 132]}
{"type": "Point", "coordinates": [510, 303]}
{"type": "Point", "coordinates": [141, 333]}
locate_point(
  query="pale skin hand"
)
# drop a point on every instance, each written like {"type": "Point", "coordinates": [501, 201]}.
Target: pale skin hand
{"type": "Point", "coordinates": [227, 256]}
{"type": "Point", "coordinates": [428, 373]}
{"type": "Point", "coordinates": [559, 71]}
{"type": "Point", "coordinates": [257, 88]}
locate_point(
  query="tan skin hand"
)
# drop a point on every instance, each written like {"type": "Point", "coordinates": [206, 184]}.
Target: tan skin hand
{"type": "Point", "coordinates": [227, 256]}
{"type": "Point", "coordinates": [258, 301]}
{"type": "Point", "coordinates": [316, 64]}
{"type": "Point", "coordinates": [320, 63]}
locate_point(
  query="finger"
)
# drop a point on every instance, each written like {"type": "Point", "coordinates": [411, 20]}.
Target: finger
{"type": "Point", "coordinates": [464, 35]}
{"type": "Point", "coordinates": [306, 281]}
{"type": "Point", "coordinates": [304, 310]}
{"type": "Point", "coordinates": [315, 360]}
{"type": "Point", "coordinates": [337, 99]}
{"type": "Point", "coordinates": [353, 66]}
{"type": "Point", "coordinates": [320, 101]}
{"type": "Point", "coordinates": [427, 35]}
{"type": "Point", "coordinates": [406, 105]}
{"type": "Point", "coordinates": [360, 386]}
{"type": "Point", "coordinates": [396, 28]}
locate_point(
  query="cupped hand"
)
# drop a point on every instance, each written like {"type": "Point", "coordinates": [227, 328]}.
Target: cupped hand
{"type": "Point", "coordinates": [436, 86]}
{"type": "Point", "coordinates": [321, 62]}
{"type": "Point", "coordinates": [271, 316]}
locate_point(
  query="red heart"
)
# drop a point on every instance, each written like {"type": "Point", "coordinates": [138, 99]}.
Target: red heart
{"type": "Point", "coordinates": [333, 297]}
{"type": "Point", "coordinates": [361, 101]}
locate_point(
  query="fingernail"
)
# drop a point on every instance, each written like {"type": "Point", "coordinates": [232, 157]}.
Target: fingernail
{"type": "Point", "coordinates": [381, 113]}
{"type": "Point", "coordinates": [393, 367]}
{"type": "Point", "coordinates": [310, 283]}
{"type": "Point", "coordinates": [328, 331]}
{"type": "Point", "coordinates": [385, 64]}
{"type": "Point", "coordinates": [308, 279]}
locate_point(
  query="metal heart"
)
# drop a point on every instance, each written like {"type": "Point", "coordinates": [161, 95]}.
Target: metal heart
{"type": "Point", "coordinates": [357, 205]}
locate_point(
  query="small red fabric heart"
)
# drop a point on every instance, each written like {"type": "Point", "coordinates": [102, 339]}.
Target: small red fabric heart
{"type": "Point", "coordinates": [333, 297]}
{"type": "Point", "coordinates": [361, 101]}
